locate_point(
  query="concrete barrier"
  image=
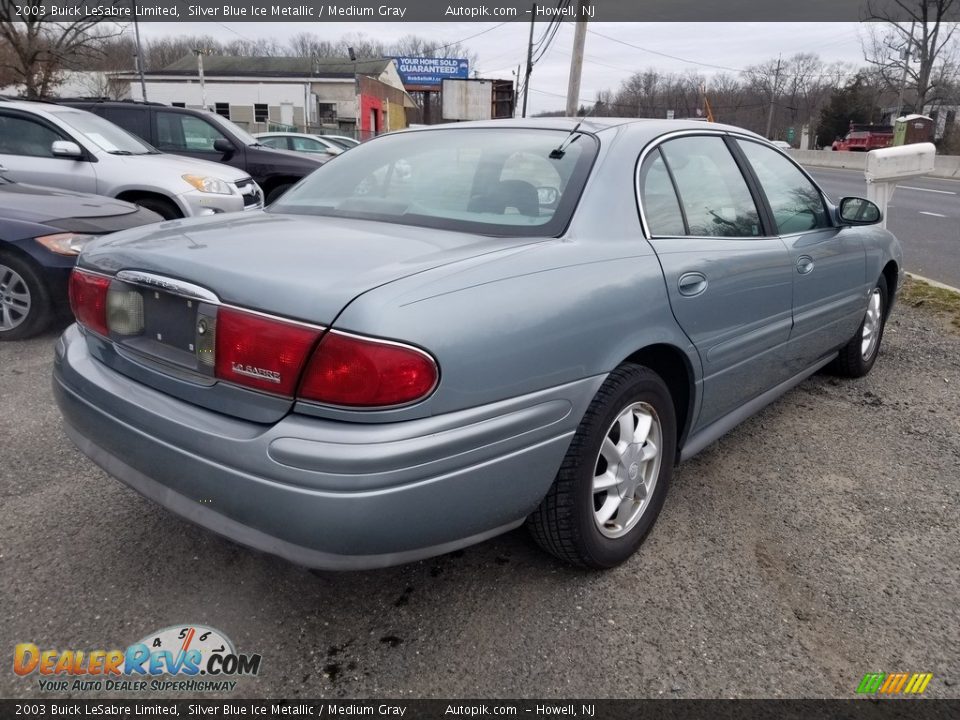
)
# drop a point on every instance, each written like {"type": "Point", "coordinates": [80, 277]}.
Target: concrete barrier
{"type": "Point", "coordinates": [947, 166]}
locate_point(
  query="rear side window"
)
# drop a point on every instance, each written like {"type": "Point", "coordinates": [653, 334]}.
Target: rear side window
{"type": "Point", "coordinates": [308, 145]}
{"type": "Point", "coordinates": [796, 202]}
{"type": "Point", "coordinates": [19, 136]}
{"type": "Point", "coordinates": [714, 195]}
{"type": "Point", "coordinates": [661, 209]}
{"type": "Point", "coordinates": [132, 120]}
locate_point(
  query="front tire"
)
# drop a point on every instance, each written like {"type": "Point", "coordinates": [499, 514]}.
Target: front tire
{"type": "Point", "coordinates": [164, 208]}
{"type": "Point", "coordinates": [857, 357]}
{"type": "Point", "coordinates": [615, 476]}
{"type": "Point", "coordinates": [25, 308]}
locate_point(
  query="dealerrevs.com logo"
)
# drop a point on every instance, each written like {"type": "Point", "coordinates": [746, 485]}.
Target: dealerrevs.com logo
{"type": "Point", "coordinates": [182, 658]}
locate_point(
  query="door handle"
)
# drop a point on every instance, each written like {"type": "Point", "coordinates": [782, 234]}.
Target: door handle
{"type": "Point", "coordinates": [804, 264]}
{"type": "Point", "coordinates": [692, 283]}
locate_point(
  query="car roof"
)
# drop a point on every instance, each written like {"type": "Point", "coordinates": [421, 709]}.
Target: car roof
{"type": "Point", "coordinates": [653, 127]}
{"type": "Point", "coordinates": [38, 106]}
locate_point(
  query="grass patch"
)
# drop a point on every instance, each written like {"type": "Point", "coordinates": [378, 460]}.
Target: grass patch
{"type": "Point", "coordinates": [919, 294]}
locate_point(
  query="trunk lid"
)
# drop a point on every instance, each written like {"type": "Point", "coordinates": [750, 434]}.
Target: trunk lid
{"type": "Point", "coordinates": [303, 268]}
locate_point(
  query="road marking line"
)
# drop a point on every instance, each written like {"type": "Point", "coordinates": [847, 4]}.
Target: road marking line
{"type": "Point", "coordinates": [924, 212]}
{"type": "Point", "coordinates": [941, 192]}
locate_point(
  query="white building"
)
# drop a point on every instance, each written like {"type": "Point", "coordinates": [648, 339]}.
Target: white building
{"type": "Point", "coordinates": [262, 93]}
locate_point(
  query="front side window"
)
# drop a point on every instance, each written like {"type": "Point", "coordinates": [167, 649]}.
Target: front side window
{"type": "Point", "coordinates": [280, 143]}
{"type": "Point", "coordinates": [659, 200]}
{"type": "Point", "coordinates": [21, 136]}
{"type": "Point", "coordinates": [796, 202]}
{"type": "Point", "coordinates": [487, 181]}
{"type": "Point", "coordinates": [715, 197]}
{"type": "Point", "coordinates": [179, 131]}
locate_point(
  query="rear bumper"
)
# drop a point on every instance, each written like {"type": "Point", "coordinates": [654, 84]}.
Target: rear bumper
{"type": "Point", "coordinates": [321, 493]}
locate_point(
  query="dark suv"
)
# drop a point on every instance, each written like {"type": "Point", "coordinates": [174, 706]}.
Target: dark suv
{"type": "Point", "coordinates": [206, 136]}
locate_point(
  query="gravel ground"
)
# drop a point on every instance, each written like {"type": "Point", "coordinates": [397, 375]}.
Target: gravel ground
{"type": "Point", "coordinates": [816, 542]}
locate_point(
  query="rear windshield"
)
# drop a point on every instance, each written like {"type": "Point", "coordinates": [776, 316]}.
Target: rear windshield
{"type": "Point", "coordinates": [500, 182]}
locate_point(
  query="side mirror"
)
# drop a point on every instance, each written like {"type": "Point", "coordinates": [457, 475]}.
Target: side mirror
{"type": "Point", "coordinates": [858, 211]}
{"type": "Point", "coordinates": [222, 145]}
{"type": "Point", "coordinates": [66, 149]}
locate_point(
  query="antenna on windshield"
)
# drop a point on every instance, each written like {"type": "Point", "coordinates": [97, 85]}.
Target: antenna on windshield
{"type": "Point", "coordinates": [558, 152]}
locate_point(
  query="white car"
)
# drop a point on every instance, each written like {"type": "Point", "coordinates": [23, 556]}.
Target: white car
{"type": "Point", "coordinates": [71, 149]}
{"type": "Point", "coordinates": [782, 144]}
{"type": "Point", "coordinates": [306, 142]}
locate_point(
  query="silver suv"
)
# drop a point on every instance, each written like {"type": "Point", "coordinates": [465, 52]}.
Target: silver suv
{"type": "Point", "coordinates": [46, 144]}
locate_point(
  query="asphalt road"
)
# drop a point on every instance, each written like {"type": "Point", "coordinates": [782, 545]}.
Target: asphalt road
{"type": "Point", "coordinates": [816, 542]}
{"type": "Point", "coordinates": [924, 214]}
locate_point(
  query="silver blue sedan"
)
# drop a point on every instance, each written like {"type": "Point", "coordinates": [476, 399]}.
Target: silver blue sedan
{"type": "Point", "coordinates": [450, 332]}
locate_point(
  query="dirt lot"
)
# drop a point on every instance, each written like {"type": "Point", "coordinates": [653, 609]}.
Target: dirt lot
{"type": "Point", "coordinates": [818, 541]}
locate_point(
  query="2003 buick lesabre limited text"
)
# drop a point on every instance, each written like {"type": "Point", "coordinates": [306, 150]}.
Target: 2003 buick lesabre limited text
{"type": "Point", "coordinates": [448, 332]}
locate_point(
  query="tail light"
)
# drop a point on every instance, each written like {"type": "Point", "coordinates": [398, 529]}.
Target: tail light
{"type": "Point", "coordinates": [360, 372]}
{"type": "Point", "coordinates": [88, 300]}
{"type": "Point", "coordinates": [261, 353]}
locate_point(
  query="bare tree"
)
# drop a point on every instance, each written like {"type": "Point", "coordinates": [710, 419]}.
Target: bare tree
{"type": "Point", "coordinates": [39, 48]}
{"type": "Point", "coordinates": [922, 51]}
{"type": "Point", "coordinates": [310, 45]}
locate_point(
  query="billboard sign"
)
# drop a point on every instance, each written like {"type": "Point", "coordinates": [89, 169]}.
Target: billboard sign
{"type": "Point", "coordinates": [431, 71]}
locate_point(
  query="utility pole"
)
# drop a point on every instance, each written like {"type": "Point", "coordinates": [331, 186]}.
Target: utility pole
{"type": "Point", "coordinates": [903, 77]}
{"type": "Point", "coordinates": [576, 67]}
{"type": "Point", "coordinates": [136, 32]}
{"type": "Point", "coordinates": [526, 80]}
{"type": "Point", "coordinates": [203, 88]}
{"type": "Point", "coordinates": [773, 97]}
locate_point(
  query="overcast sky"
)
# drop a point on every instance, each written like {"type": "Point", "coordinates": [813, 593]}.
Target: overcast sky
{"type": "Point", "coordinates": [499, 51]}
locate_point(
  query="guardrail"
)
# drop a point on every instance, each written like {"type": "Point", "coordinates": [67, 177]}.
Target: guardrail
{"type": "Point", "coordinates": [947, 166]}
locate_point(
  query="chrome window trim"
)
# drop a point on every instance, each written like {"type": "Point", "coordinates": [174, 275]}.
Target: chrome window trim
{"type": "Point", "coordinates": [661, 139]}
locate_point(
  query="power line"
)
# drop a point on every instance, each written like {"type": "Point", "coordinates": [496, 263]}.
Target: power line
{"type": "Point", "coordinates": [470, 37]}
{"type": "Point", "coordinates": [662, 54]}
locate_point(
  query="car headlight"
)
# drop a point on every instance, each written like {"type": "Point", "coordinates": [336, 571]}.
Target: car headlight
{"type": "Point", "coordinates": [65, 243]}
{"type": "Point", "coordinates": [207, 184]}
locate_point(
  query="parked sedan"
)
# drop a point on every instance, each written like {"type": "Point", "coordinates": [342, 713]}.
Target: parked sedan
{"type": "Point", "coordinates": [531, 325]}
{"type": "Point", "coordinates": [42, 230]}
{"type": "Point", "coordinates": [300, 142]}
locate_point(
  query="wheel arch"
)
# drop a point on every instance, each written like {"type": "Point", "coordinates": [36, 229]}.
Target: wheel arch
{"type": "Point", "coordinates": [891, 273]}
{"type": "Point", "coordinates": [272, 182]}
{"type": "Point", "coordinates": [675, 369]}
{"type": "Point", "coordinates": [131, 195]}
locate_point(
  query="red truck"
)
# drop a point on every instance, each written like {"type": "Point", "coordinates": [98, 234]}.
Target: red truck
{"type": "Point", "coordinates": [862, 138]}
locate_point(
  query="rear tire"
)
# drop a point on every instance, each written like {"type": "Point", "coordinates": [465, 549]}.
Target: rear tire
{"type": "Point", "coordinates": [25, 308]}
{"type": "Point", "coordinates": [615, 476]}
{"type": "Point", "coordinates": [857, 357]}
{"type": "Point", "coordinates": [164, 208]}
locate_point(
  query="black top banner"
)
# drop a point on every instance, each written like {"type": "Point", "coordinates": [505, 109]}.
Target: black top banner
{"type": "Point", "coordinates": [301, 11]}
